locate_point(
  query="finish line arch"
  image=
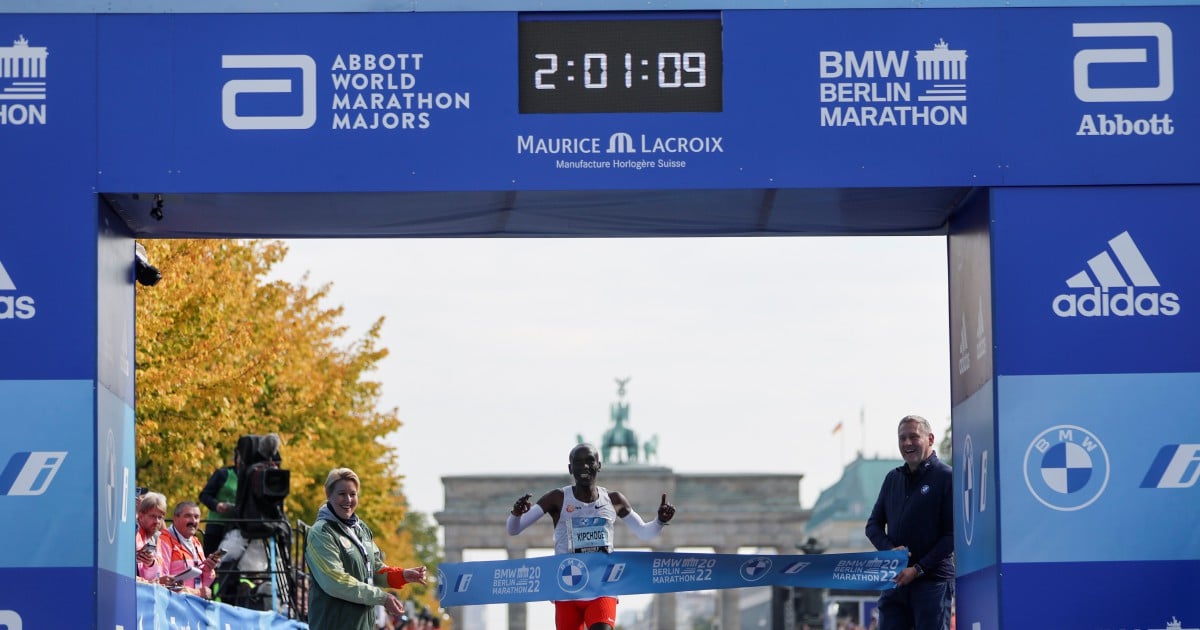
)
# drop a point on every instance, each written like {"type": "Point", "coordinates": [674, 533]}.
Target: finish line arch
{"type": "Point", "coordinates": [1054, 146]}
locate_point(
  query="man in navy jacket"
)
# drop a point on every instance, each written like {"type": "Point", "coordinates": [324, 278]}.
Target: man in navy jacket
{"type": "Point", "coordinates": [915, 511]}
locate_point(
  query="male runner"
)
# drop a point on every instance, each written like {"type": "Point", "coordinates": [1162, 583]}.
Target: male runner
{"type": "Point", "coordinates": [590, 512]}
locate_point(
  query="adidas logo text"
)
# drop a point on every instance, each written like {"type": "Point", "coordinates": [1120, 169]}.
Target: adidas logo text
{"type": "Point", "coordinates": [13, 306]}
{"type": "Point", "coordinates": [1101, 303]}
{"type": "Point", "coordinates": [1116, 287]}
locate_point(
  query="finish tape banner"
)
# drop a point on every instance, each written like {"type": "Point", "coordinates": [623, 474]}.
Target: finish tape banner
{"type": "Point", "coordinates": [591, 575]}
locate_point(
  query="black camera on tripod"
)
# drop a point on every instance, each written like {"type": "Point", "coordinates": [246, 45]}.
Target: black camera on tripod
{"type": "Point", "coordinates": [262, 487]}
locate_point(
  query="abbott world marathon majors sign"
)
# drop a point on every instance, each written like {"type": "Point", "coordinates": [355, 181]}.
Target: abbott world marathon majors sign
{"type": "Point", "coordinates": [1054, 146]}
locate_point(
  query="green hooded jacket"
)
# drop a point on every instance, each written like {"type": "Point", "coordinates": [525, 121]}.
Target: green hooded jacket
{"type": "Point", "coordinates": [345, 587]}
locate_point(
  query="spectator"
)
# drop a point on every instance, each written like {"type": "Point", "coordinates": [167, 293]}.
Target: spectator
{"type": "Point", "coordinates": [347, 568]}
{"type": "Point", "coordinates": [151, 561]}
{"type": "Point", "coordinates": [219, 496]}
{"type": "Point", "coordinates": [915, 512]}
{"type": "Point", "coordinates": [184, 551]}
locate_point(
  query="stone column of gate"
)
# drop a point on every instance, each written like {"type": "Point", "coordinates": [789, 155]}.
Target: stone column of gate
{"type": "Point", "coordinates": [731, 612]}
{"type": "Point", "coordinates": [454, 554]}
{"type": "Point", "coordinates": [664, 603]}
{"type": "Point", "coordinates": [518, 611]}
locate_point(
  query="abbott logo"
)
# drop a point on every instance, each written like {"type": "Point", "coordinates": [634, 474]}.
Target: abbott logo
{"type": "Point", "coordinates": [1110, 293]}
{"type": "Point", "coordinates": [10, 620]}
{"type": "Point", "coordinates": [1088, 57]}
{"type": "Point", "coordinates": [14, 306]}
{"type": "Point", "coordinates": [234, 87]}
{"type": "Point", "coordinates": [30, 473]}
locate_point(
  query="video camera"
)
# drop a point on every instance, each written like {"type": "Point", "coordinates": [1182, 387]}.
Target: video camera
{"type": "Point", "coordinates": [262, 487]}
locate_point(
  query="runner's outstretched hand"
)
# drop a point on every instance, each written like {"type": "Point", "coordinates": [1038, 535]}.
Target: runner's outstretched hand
{"type": "Point", "coordinates": [666, 511]}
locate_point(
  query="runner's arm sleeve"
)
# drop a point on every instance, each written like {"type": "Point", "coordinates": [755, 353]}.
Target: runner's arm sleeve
{"type": "Point", "coordinates": [517, 524]}
{"type": "Point", "coordinates": [642, 529]}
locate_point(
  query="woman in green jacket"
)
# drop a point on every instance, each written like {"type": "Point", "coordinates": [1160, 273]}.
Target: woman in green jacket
{"type": "Point", "coordinates": [348, 573]}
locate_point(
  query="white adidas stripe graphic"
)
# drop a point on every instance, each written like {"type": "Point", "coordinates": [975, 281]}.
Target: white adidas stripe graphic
{"type": "Point", "coordinates": [1121, 287]}
{"type": "Point", "coordinates": [6, 283]}
{"type": "Point", "coordinates": [1106, 271]}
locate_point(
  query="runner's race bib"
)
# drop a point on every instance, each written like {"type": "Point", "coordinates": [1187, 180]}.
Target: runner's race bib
{"type": "Point", "coordinates": [589, 533]}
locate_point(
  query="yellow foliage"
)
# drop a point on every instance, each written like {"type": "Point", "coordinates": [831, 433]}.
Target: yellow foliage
{"type": "Point", "coordinates": [221, 352]}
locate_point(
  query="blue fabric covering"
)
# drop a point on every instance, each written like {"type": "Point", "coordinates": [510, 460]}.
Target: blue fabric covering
{"type": "Point", "coordinates": [159, 608]}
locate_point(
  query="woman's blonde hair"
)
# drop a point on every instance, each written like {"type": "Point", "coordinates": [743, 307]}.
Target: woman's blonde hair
{"type": "Point", "coordinates": [339, 474]}
{"type": "Point", "coordinates": [152, 500]}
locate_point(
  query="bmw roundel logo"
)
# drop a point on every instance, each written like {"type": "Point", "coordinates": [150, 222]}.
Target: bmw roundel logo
{"type": "Point", "coordinates": [572, 575]}
{"type": "Point", "coordinates": [110, 487]}
{"type": "Point", "coordinates": [441, 585]}
{"type": "Point", "coordinates": [755, 569]}
{"type": "Point", "coordinates": [1066, 467]}
{"type": "Point", "coordinates": [967, 483]}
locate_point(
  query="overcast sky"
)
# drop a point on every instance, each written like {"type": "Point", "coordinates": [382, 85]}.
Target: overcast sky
{"type": "Point", "coordinates": [744, 353]}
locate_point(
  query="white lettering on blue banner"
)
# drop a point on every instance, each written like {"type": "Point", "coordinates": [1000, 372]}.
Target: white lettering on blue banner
{"type": "Point", "coordinates": [639, 572]}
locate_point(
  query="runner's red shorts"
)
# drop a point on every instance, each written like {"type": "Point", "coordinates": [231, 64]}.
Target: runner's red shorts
{"type": "Point", "coordinates": [582, 614]}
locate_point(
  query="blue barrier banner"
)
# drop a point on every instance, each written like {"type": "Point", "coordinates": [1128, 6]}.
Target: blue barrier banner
{"type": "Point", "coordinates": [159, 608]}
{"type": "Point", "coordinates": [591, 575]}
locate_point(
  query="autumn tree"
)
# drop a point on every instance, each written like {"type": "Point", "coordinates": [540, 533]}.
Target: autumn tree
{"type": "Point", "coordinates": [223, 352]}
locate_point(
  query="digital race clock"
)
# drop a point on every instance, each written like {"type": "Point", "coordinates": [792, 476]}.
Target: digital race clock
{"type": "Point", "coordinates": [640, 63]}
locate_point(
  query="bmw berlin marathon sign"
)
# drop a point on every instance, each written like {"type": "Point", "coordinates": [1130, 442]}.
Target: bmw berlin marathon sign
{"type": "Point", "coordinates": [884, 79]}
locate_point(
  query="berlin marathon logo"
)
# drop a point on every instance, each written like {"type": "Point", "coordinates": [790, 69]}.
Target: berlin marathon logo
{"type": "Point", "coordinates": [1117, 282]}
{"type": "Point", "coordinates": [22, 83]}
{"type": "Point", "coordinates": [875, 88]}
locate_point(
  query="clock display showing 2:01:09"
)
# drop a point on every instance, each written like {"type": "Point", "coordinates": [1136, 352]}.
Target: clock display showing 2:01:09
{"type": "Point", "coordinates": [628, 65]}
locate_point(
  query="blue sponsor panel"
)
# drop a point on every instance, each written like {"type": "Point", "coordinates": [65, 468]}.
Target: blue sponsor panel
{"type": "Point", "coordinates": [35, 598]}
{"type": "Point", "coordinates": [1101, 595]}
{"type": "Point", "coordinates": [1102, 87]}
{"type": "Point", "coordinates": [1092, 280]}
{"type": "Point", "coordinates": [46, 473]}
{"type": "Point", "coordinates": [835, 98]}
{"type": "Point", "coordinates": [116, 484]}
{"type": "Point", "coordinates": [307, 102]}
{"type": "Point", "coordinates": [48, 100]}
{"type": "Point", "coordinates": [976, 504]}
{"type": "Point", "coordinates": [312, 102]}
{"type": "Point", "coordinates": [116, 600]}
{"type": "Point", "coordinates": [977, 600]}
{"type": "Point", "coordinates": [710, 99]}
{"type": "Point", "coordinates": [47, 130]}
{"type": "Point", "coordinates": [48, 285]}
{"type": "Point", "coordinates": [1099, 468]}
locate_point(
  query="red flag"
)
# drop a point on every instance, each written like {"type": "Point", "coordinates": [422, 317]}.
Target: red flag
{"type": "Point", "coordinates": [837, 428]}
